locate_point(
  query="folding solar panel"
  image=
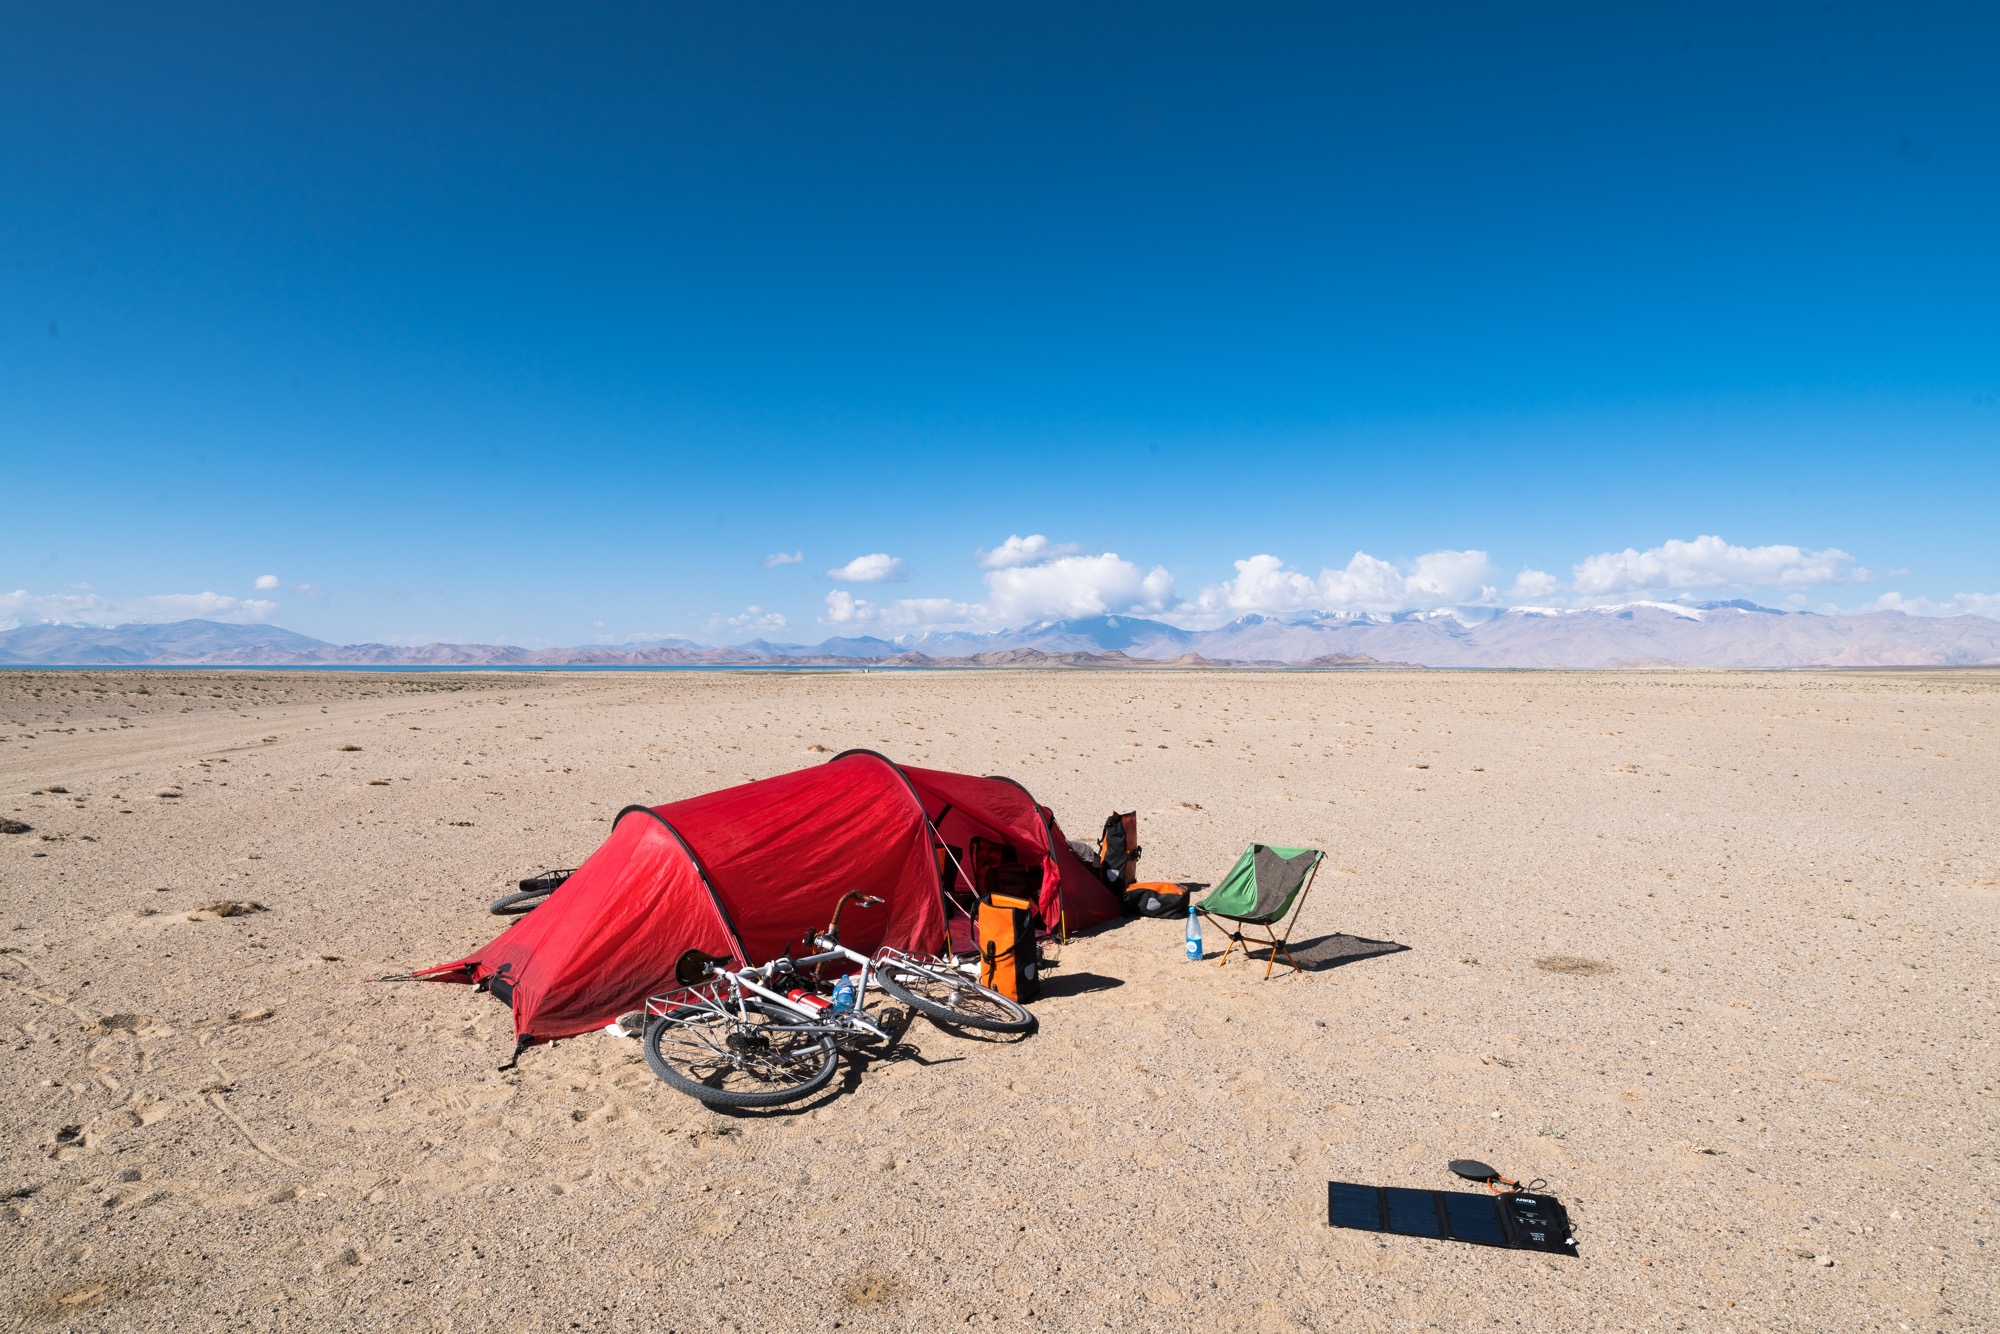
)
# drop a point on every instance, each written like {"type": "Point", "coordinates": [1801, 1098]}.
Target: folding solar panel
{"type": "Point", "coordinates": [1516, 1220]}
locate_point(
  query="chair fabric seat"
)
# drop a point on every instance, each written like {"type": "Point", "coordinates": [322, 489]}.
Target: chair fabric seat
{"type": "Point", "coordinates": [1261, 886]}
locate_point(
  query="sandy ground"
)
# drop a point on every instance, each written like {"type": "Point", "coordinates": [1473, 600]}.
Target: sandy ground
{"type": "Point", "coordinates": [1716, 955]}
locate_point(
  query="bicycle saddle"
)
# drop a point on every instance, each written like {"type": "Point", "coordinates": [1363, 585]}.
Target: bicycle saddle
{"type": "Point", "coordinates": [695, 967]}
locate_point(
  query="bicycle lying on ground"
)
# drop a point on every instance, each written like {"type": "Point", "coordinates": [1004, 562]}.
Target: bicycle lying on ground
{"type": "Point", "coordinates": [535, 891]}
{"type": "Point", "coordinates": [764, 1036]}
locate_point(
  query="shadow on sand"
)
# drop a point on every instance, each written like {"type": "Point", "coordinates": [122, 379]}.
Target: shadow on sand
{"type": "Point", "coordinates": [1322, 953]}
{"type": "Point", "coordinates": [1078, 984]}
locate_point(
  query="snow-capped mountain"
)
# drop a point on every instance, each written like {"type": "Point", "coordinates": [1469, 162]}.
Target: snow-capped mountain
{"type": "Point", "coordinates": [1641, 634]}
{"type": "Point", "coordinates": [1633, 634]}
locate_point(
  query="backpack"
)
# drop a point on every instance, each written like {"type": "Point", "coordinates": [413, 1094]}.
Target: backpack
{"type": "Point", "coordinates": [1118, 849]}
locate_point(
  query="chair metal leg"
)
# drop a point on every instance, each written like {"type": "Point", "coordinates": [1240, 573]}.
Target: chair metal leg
{"type": "Point", "coordinates": [1282, 947]}
{"type": "Point", "coordinates": [1270, 941]}
{"type": "Point", "coordinates": [1234, 939]}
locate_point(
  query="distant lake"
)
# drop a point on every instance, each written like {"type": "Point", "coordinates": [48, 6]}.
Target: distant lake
{"type": "Point", "coordinates": [495, 667]}
{"type": "Point", "coordinates": [612, 667]}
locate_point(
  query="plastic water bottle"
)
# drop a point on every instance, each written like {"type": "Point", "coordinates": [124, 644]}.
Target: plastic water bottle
{"type": "Point", "coordinates": [1194, 935]}
{"type": "Point", "coordinates": [843, 994]}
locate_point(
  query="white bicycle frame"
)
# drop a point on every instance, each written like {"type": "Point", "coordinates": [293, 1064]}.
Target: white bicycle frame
{"type": "Point", "coordinates": [817, 1017]}
{"type": "Point", "coordinates": [728, 992]}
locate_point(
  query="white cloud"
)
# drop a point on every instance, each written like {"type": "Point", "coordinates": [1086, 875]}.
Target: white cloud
{"type": "Point", "coordinates": [202, 606]}
{"type": "Point", "coordinates": [843, 608]}
{"type": "Point", "coordinates": [1262, 584]}
{"type": "Point", "coordinates": [1959, 604]}
{"type": "Point", "coordinates": [268, 581]}
{"type": "Point", "coordinates": [309, 590]}
{"type": "Point", "coordinates": [1032, 582]}
{"type": "Point", "coordinates": [1075, 586]}
{"type": "Point", "coordinates": [1451, 576]}
{"type": "Point", "coordinates": [90, 608]}
{"type": "Point", "coordinates": [876, 568]}
{"type": "Point", "coordinates": [1368, 581]}
{"type": "Point", "coordinates": [1267, 586]}
{"type": "Point", "coordinates": [1030, 579]}
{"type": "Point", "coordinates": [777, 558]}
{"type": "Point", "coordinates": [1532, 585]}
{"type": "Point", "coordinates": [1031, 550]}
{"type": "Point", "coordinates": [1710, 562]}
{"type": "Point", "coordinates": [752, 620]}
{"type": "Point", "coordinates": [1066, 586]}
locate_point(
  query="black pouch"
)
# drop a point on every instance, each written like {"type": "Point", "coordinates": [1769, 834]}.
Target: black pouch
{"type": "Point", "coordinates": [499, 985]}
{"type": "Point", "coordinates": [1152, 901]}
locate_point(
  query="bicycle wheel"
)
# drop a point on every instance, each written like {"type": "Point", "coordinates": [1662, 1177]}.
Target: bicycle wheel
{"type": "Point", "coordinates": [534, 889]}
{"type": "Point", "coordinates": [729, 1062]}
{"type": "Point", "coordinates": [513, 905]}
{"type": "Point", "coordinates": [950, 998]}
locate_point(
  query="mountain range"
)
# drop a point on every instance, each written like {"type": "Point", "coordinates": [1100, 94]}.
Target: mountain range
{"type": "Point", "coordinates": [1636, 634]}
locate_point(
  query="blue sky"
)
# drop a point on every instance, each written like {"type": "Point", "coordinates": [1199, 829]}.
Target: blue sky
{"type": "Point", "coordinates": [549, 326]}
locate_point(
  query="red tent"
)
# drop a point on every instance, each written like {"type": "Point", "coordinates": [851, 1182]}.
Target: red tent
{"type": "Point", "coordinates": [749, 870]}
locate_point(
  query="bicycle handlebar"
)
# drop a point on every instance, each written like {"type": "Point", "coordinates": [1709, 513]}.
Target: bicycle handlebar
{"type": "Point", "coordinates": [859, 899]}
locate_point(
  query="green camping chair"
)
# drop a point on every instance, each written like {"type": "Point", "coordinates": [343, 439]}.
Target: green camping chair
{"type": "Point", "coordinates": [1265, 884]}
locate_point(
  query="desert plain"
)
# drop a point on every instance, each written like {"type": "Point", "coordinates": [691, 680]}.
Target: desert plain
{"type": "Point", "coordinates": [1714, 955]}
